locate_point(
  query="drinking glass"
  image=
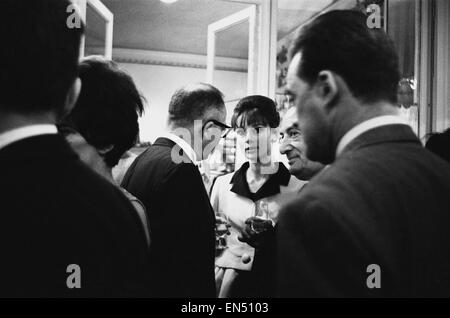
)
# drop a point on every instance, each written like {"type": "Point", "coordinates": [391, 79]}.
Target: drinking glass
{"type": "Point", "coordinates": [261, 221]}
{"type": "Point", "coordinates": [222, 231]}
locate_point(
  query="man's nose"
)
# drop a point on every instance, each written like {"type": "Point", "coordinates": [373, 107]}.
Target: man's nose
{"type": "Point", "coordinates": [285, 146]}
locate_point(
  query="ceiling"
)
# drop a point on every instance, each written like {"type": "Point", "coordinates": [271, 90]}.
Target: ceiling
{"type": "Point", "coordinates": [181, 27]}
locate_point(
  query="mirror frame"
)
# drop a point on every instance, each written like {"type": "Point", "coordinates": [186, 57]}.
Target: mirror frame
{"type": "Point", "coordinates": [106, 15]}
{"type": "Point", "coordinates": [243, 16]}
{"type": "Point", "coordinates": [262, 44]}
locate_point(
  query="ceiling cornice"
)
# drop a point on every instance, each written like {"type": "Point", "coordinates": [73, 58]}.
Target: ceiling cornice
{"type": "Point", "coordinates": [135, 56]}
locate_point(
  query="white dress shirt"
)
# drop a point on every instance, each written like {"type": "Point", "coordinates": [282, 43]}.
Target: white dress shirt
{"type": "Point", "coordinates": [366, 126]}
{"type": "Point", "coordinates": [187, 149]}
{"type": "Point", "coordinates": [17, 134]}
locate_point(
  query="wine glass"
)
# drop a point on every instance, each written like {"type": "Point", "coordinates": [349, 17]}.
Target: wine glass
{"type": "Point", "coordinates": [261, 221]}
{"type": "Point", "coordinates": [222, 225]}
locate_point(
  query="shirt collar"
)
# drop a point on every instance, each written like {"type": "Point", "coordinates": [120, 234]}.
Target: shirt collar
{"type": "Point", "coordinates": [17, 134]}
{"type": "Point", "coordinates": [269, 188]}
{"type": "Point", "coordinates": [365, 126]}
{"type": "Point", "coordinates": [187, 149]}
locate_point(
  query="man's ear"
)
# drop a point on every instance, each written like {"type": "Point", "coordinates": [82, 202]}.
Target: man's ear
{"type": "Point", "coordinates": [327, 88]}
{"type": "Point", "coordinates": [208, 125]}
{"type": "Point", "coordinates": [207, 133]}
{"type": "Point", "coordinates": [72, 96]}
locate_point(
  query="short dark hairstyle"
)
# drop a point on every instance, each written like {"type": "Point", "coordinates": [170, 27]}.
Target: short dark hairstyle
{"type": "Point", "coordinates": [39, 56]}
{"type": "Point", "coordinates": [439, 143]}
{"type": "Point", "coordinates": [341, 41]}
{"type": "Point", "coordinates": [108, 108]}
{"type": "Point", "coordinates": [191, 102]}
{"type": "Point", "coordinates": [256, 109]}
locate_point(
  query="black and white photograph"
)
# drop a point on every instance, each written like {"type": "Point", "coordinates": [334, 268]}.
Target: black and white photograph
{"type": "Point", "coordinates": [225, 154]}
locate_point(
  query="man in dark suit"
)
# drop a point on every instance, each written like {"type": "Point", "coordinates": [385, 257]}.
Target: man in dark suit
{"type": "Point", "coordinates": [165, 177]}
{"type": "Point", "coordinates": [64, 230]}
{"type": "Point", "coordinates": [375, 222]}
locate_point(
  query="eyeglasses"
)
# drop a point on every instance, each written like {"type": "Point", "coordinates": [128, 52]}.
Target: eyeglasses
{"type": "Point", "coordinates": [223, 127]}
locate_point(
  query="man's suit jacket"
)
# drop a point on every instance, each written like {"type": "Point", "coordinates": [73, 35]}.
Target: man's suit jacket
{"type": "Point", "coordinates": [56, 212]}
{"type": "Point", "coordinates": [384, 201]}
{"type": "Point", "coordinates": [181, 222]}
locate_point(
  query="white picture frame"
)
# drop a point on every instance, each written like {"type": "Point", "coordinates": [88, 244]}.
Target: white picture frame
{"type": "Point", "coordinates": [108, 18]}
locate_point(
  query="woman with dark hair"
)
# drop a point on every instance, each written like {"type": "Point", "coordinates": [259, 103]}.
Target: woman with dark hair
{"type": "Point", "coordinates": [252, 194]}
{"type": "Point", "coordinates": [103, 125]}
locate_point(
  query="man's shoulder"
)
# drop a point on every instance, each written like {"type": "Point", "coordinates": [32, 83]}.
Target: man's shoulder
{"type": "Point", "coordinates": [365, 180]}
{"type": "Point", "coordinates": [81, 180]}
{"type": "Point", "coordinates": [90, 198]}
{"type": "Point", "coordinates": [162, 158]}
{"type": "Point", "coordinates": [159, 164]}
{"type": "Point", "coordinates": [154, 153]}
{"type": "Point", "coordinates": [64, 188]}
{"type": "Point", "coordinates": [325, 192]}
{"type": "Point", "coordinates": [155, 162]}
{"type": "Point", "coordinates": [311, 196]}
{"type": "Point", "coordinates": [294, 185]}
{"type": "Point", "coordinates": [387, 164]}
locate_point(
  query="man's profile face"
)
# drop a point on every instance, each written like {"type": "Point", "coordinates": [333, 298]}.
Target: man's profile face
{"type": "Point", "coordinates": [291, 141]}
{"type": "Point", "coordinates": [293, 146]}
{"type": "Point", "coordinates": [312, 120]}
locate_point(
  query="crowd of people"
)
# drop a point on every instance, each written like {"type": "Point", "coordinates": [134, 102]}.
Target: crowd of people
{"type": "Point", "coordinates": [361, 210]}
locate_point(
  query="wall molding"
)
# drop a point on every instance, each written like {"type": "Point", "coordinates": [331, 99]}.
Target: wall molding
{"type": "Point", "coordinates": [441, 112]}
{"type": "Point", "coordinates": [135, 56]}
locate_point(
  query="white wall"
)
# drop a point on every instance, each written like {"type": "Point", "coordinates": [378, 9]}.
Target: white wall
{"type": "Point", "coordinates": [157, 83]}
